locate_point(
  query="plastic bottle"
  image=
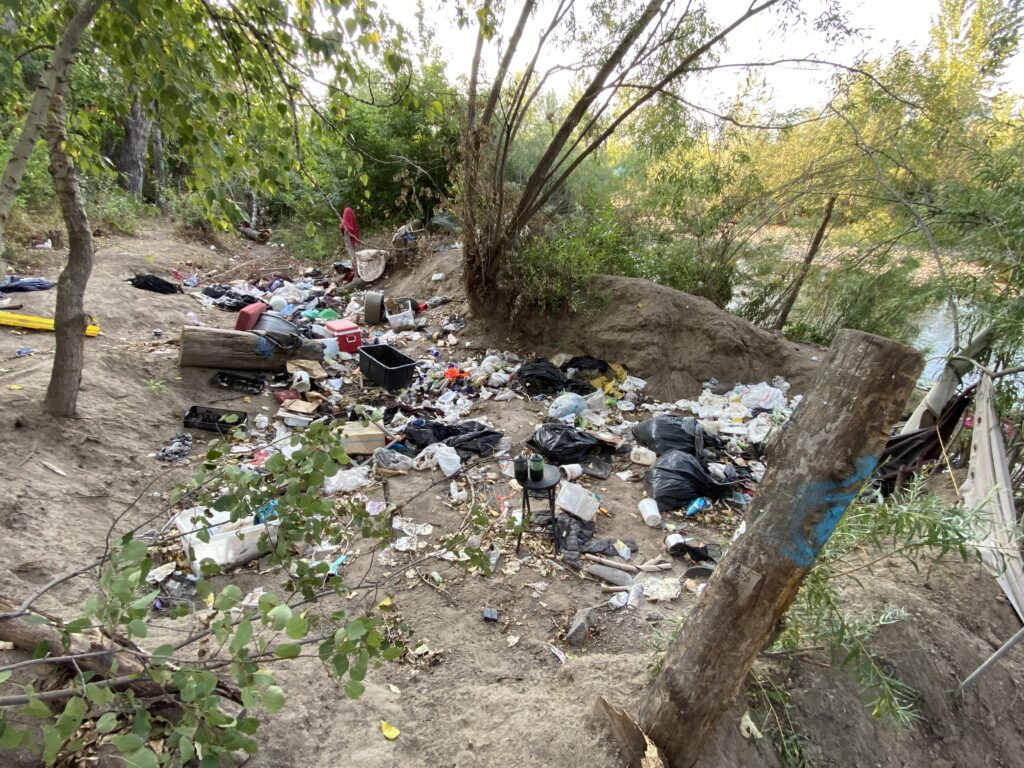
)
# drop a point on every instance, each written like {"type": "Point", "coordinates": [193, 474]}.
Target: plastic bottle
{"type": "Point", "coordinates": [697, 505]}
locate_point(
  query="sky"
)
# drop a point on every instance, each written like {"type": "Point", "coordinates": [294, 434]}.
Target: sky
{"type": "Point", "coordinates": [884, 25]}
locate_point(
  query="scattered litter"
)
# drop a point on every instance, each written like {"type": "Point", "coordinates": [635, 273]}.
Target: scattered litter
{"type": "Point", "coordinates": [490, 614]}
{"type": "Point", "coordinates": [558, 653]}
{"type": "Point", "coordinates": [178, 447]}
{"type": "Point", "coordinates": [658, 588]}
{"type": "Point", "coordinates": [54, 469]}
{"type": "Point", "coordinates": [390, 732]}
{"type": "Point", "coordinates": [748, 729]}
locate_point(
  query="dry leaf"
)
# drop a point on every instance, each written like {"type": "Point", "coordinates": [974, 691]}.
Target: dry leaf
{"type": "Point", "coordinates": [512, 640]}
{"type": "Point", "coordinates": [395, 689]}
{"type": "Point", "coordinates": [390, 732]}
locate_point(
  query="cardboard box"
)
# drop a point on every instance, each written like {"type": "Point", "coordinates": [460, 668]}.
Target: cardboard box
{"type": "Point", "coordinates": [362, 440]}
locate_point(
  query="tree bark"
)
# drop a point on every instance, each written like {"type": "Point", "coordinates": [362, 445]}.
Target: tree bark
{"type": "Point", "coordinates": [35, 119]}
{"type": "Point", "coordinates": [238, 350]}
{"type": "Point", "coordinates": [159, 167]}
{"type": "Point", "coordinates": [805, 268]}
{"type": "Point", "coordinates": [70, 319]}
{"type": "Point", "coordinates": [131, 163]}
{"type": "Point", "coordinates": [822, 460]}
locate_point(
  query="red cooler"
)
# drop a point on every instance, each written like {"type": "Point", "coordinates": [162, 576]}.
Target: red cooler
{"type": "Point", "coordinates": [348, 334]}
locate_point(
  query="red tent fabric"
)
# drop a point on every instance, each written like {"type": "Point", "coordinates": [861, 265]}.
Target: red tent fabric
{"type": "Point", "coordinates": [349, 226]}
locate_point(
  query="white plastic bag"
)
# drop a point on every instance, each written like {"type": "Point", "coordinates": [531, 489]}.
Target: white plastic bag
{"type": "Point", "coordinates": [386, 458]}
{"type": "Point", "coordinates": [765, 396]}
{"type": "Point", "coordinates": [568, 404]}
{"type": "Point", "coordinates": [347, 480]}
{"type": "Point", "coordinates": [438, 455]}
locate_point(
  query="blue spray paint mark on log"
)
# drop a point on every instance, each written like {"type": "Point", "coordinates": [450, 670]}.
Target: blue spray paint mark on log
{"type": "Point", "coordinates": [802, 547]}
{"type": "Point", "coordinates": [264, 347]}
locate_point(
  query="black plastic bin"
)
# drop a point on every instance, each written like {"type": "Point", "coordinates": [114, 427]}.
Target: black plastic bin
{"type": "Point", "coordinates": [385, 366]}
{"type": "Point", "coordinates": [212, 419]}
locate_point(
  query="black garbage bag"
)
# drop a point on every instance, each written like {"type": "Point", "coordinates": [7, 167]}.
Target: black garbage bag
{"type": "Point", "coordinates": [216, 290]}
{"type": "Point", "coordinates": [541, 377]}
{"type": "Point", "coordinates": [585, 367]}
{"type": "Point", "coordinates": [563, 444]}
{"type": "Point", "coordinates": [468, 437]}
{"type": "Point", "coordinates": [154, 284]}
{"type": "Point", "coordinates": [677, 478]}
{"type": "Point", "coordinates": [234, 302]}
{"type": "Point", "coordinates": [675, 433]}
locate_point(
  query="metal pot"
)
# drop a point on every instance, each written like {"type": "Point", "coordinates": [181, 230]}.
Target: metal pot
{"type": "Point", "coordinates": [271, 321]}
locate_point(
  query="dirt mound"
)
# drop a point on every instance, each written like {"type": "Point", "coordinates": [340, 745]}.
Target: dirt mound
{"type": "Point", "coordinates": [674, 340]}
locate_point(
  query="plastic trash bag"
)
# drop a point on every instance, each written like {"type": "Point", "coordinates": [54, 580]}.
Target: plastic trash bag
{"type": "Point", "coordinates": [674, 433]}
{"type": "Point", "coordinates": [563, 444]}
{"type": "Point", "coordinates": [154, 284]}
{"type": "Point", "coordinates": [347, 480]}
{"type": "Point", "coordinates": [468, 437]}
{"type": "Point", "coordinates": [439, 455]}
{"type": "Point", "coordinates": [569, 404]}
{"type": "Point", "coordinates": [385, 458]}
{"type": "Point", "coordinates": [542, 377]}
{"type": "Point", "coordinates": [677, 478]}
{"type": "Point", "coordinates": [763, 396]}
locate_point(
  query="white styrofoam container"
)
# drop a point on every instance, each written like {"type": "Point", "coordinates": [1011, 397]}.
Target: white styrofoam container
{"type": "Point", "coordinates": [230, 543]}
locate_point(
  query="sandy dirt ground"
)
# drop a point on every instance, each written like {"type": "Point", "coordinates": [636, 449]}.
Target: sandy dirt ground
{"type": "Point", "coordinates": [489, 700]}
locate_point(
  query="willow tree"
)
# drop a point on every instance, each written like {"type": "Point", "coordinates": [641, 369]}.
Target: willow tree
{"type": "Point", "coordinates": [624, 56]}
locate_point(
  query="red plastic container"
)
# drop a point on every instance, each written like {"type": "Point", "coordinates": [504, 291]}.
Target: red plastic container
{"type": "Point", "coordinates": [247, 316]}
{"type": "Point", "coordinates": [348, 334]}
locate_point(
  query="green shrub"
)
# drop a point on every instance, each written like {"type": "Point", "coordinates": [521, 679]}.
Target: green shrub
{"type": "Point", "coordinates": [551, 269]}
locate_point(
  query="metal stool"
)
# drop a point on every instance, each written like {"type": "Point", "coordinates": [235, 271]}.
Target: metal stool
{"type": "Point", "coordinates": [540, 489]}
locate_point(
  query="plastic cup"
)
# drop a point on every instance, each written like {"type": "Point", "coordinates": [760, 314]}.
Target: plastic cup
{"type": "Point", "coordinates": [649, 512]}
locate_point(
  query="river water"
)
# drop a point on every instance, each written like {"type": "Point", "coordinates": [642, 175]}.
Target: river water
{"type": "Point", "coordinates": [935, 340]}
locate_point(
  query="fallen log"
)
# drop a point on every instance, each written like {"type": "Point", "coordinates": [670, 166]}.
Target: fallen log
{"type": "Point", "coordinates": [239, 350]}
{"type": "Point", "coordinates": [89, 652]}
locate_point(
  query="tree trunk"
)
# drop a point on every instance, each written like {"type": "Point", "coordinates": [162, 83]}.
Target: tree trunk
{"type": "Point", "coordinates": [35, 119]}
{"type": "Point", "coordinates": [70, 319]}
{"type": "Point", "coordinates": [131, 164]}
{"type": "Point", "coordinates": [820, 463]}
{"type": "Point", "coordinates": [805, 268]}
{"type": "Point", "coordinates": [159, 167]}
